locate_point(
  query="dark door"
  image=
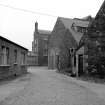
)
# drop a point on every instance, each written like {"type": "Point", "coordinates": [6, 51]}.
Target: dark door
{"type": "Point", "coordinates": [57, 61]}
{"type": "Point", "coordinates": [80, 64]}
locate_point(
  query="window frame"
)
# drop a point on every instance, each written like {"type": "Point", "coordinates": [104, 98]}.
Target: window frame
{"type": "Point", "coordinates": [23, 58]}
{"type": "Point", "coordinates": [15, 56]}
{"type": "Point", "coordinates": [4, 55]}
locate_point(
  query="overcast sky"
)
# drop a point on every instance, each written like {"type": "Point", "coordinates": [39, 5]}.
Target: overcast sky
{"type": "Point", "coordinates": [18, 25]}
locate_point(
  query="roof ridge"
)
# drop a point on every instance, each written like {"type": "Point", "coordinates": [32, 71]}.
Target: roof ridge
{"type": "Point", "coordinates": [10, 41]}
{"type": "Point", "coordinates": [44, 30]}
{"type": "Point", "coordinates": [67, 22]}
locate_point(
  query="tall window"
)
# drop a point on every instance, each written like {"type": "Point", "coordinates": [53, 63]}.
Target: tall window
{"type": "Point", "coordinates": [45, 48]}
{"type": "Point", "coordinates": [15, 56]}
{"type": "Point", "coordinates": [35, 50]}
{"type": "Point", "coordinates": [35, 46]}
{"type": "Point", "coordinates": [22, 58]}
{"type": "Point", "coordinates": [5, 55]}
{"type": "Point", "coordinates": [36, 42]}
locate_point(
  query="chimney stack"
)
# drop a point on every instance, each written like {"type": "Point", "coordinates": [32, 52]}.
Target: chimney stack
{"type": "Point", "coordinates": [36, 26]}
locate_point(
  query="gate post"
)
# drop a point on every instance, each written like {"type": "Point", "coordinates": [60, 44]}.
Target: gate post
{"type": "Point", "coordinates": [76, 65]}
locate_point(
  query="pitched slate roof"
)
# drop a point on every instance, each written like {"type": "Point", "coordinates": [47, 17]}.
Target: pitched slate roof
{"type": "Point", "coordinates": [88, 18]}
{"type": "Point", "coordinates": [44, 32]}
{"type": "Point", "coordinates": [9, 41]}
{"type": "Point", "coordinates": [77, 22]}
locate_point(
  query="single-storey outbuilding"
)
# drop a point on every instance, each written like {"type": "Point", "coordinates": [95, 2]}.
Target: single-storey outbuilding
{"type": "Point", "coordinates": [13, 58]}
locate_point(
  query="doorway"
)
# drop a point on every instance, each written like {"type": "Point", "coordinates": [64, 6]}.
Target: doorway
{"type": "Point", "coordinates": [80, 64]}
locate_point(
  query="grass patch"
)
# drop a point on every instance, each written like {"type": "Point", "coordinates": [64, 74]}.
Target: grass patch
{"type": "Point", "coordinates": [94, 79]}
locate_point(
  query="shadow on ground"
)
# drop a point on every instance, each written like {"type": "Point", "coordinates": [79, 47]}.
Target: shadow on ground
{"type": "Point", "coordinates": [23, 77]}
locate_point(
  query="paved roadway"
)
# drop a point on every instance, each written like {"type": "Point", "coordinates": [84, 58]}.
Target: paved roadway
{"type": "Point", "coordinates": [47, 87]}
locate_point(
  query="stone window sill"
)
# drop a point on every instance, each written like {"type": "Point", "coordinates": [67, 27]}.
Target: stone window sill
{"type": "Point", "coordinates": [15, 63]}
{"type": "Point", "coordinates": [4, 65]}
{"type": "Point", "coordinates": [23, 65]}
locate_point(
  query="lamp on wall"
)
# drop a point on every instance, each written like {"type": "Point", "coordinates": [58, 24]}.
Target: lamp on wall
{"type": "Point", "coordinates": [72, 51]}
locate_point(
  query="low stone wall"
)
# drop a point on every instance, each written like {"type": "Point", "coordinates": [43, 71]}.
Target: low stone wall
{"type": "Point", "coordinates": [4, 71]}
{"type": "Point", "coordinates": [15, 70]}
{"type": "Point", "coordinates": [32, 61]}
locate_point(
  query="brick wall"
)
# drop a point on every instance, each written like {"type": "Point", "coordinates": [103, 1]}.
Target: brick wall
{"type": "Point", "coordinates": [62, 39]}
{"type": "Point", "coordinates": [42, 60]}
{"type": "Point", "coordinates": [12, 67]}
